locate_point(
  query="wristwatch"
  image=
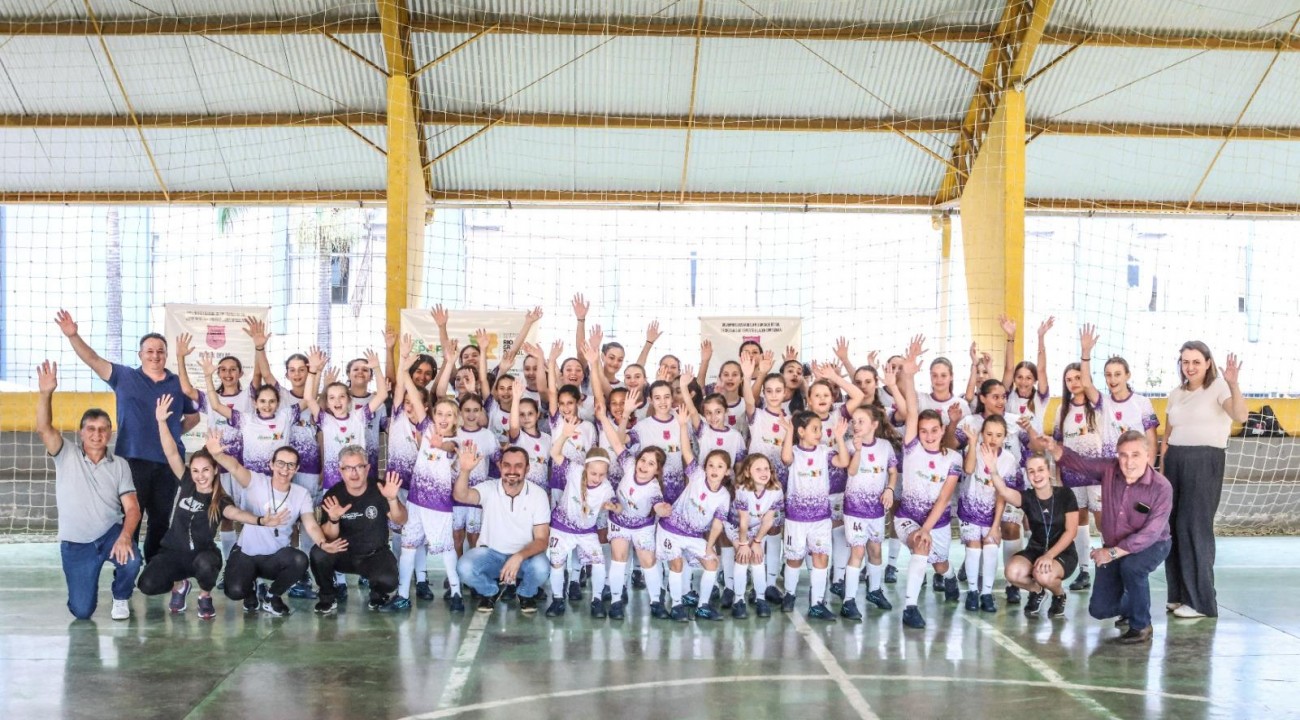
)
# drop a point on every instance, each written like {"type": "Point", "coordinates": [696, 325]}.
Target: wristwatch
{"type": "Point", "coordinates": [1114, 554]}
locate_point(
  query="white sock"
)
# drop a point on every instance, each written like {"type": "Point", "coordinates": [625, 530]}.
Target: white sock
{"type": "Point", "coordinates": [228, 543]}
{"type": "Point", "coordinates": [852, 573]}
{"type": "Point", "coordinates": [791, 579]}
{"type": "Point", "coordinates": [894, 546]}
{"type": "Point", "coordinates": [573, 566]}
{"type": "Point", "coordinates": [972, 562]}
{"type": "Point", "coordinates": [915, 578]}
{"type": "Point", "coordinates": [817, 578]}
{"type": "Point", "coordinates": [675, 588]}
{"type": "Point", "coordinates": [1083, 545]}
{"type": "Point", "coordinates": [449, 559]}
{"type": "Point", "coordinates": [707, 581]}
{"type": "Point", "coordinates": [728, 569]}
{"type": "Point", "coordinates": [875, 576]}
{"type": "Point", "coordinates": [989, 559]}
{"type": "Point", "coordinates": [405, 567]}
{"type": "Point", "coordinates": [839, 553]}
{"type": "Point", "coordinates": [772, 557]}
{"type": "Point", "coordinates": [597, 580]}
{"type": "Point", "coordinates": [654, 582]}
{"type": "Point", "coordinates": [422, 564]}
{"type": "Point", "coordinates": [557, 583]}
{"type": "Point", "coordinates": [617, 571]}
{"type": "Point", "coordinates": [759, 574]}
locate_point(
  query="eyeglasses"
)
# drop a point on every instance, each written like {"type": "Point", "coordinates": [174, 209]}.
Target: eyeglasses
{"type": "Point", "coordinates": [284, 465]}
{"type": "Point", "coordinates": [353, 468]}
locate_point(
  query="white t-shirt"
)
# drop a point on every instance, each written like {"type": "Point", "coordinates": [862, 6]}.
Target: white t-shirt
{"type": "Point", "coordinates": [261, 499]}
{"type": "Point", "coordinates": [508, 522]}
{"type": "Point", "coordinates": [1197, 417]}
{"type": "Point", "coordinates": [928, 402]}
{"type": "Point", "coordinates": [1119, 416]}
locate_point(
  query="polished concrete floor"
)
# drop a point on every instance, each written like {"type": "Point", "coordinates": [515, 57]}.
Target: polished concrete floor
{"type": "Point", "coordinates": [1245, 664]}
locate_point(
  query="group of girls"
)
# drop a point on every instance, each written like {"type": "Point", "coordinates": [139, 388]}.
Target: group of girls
{"type": "Point", "coordinates": [795, 463]}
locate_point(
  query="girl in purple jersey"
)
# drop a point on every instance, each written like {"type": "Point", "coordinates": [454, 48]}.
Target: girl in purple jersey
{"type": "Point", "coordinates": [1079, 428]}
{"type": "Point", "coordinates": [586, 493]}
{"type": "Point", "coordinates": [871, 490]}
{"type": "Point", "coordinates": [979, 507]}
{"type": "Point", "coordinates": [524, 432]}
{"type": "Point", "coordinates": [808, 506]}
{"type": "Point", "coordinates": [689, 529]}
{"type": "Point", "coordinates": [1026, 381]}
{"type": "Point", "coordinates": [767, 431]}
{"type": "Point", "coordinates": [632, 521]}
{"type": "Point", "coordinates": [342, 422]}
{"type": "Point", "coordinates": [752, 516]}
{"type": "Point", "coordinates": [404, 449]}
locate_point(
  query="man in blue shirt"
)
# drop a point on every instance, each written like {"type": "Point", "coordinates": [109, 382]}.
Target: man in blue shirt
{"type": "Point", "coordinates": [137, 391]}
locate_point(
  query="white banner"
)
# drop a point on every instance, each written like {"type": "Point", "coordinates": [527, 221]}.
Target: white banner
{"type": "Point", "coordinates": [728, 332]}
{"type": "Point", "coordinates": [502, 327]}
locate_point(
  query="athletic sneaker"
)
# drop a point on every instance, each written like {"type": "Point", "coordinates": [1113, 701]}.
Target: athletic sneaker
{"type": "Point", "coordinates": [972, 600]}
{"type": "Point", "coordinates": [396, 604]}
{"type": "Point", "coordinates": [606, 595]}
{"type": "Point", "coordinates": [680, 614]}
{"type": "Point", "coordinates": [987, 605]}
{"type": "Point", "coordinates": [691, 599]}
{"type": "Point", "coordinates": [326, 607]}
{"type": "Point", "coordinates": [762, 609]}
{"type": "Point", "coordinates": [1057, 608]}
{"type": "Point", "coordinates": [738, 610]}
{"type": "Point", "coordinates": [556, 608]}
{"type": "Point", "coordinates": [616, 610]}
{"type": "Point", "coordinates": [1082, 582]}
{"type": "Point", "coordinates": [1035, 602]}
{"type": "Point", "coordinates": [773, 595]}
{"type": "Point", "coordinates": [121, 610]}
{"type": "Point", "coordinates": [716, 594]}
{"type": "Point", "coordinates": [250, 604]}
{"type": "Point", "coordinates": [527, 605]}
{"type": "Point", "coordinates": [821, 612]}
{"type": "Point", "coordinates": [891, 574]}
{"type": "Point", "coordinates": [787, 603]}
{"type": "Point", "coordinates": [961, 572]}
{"type": "Point", "coordinates": [263, 592]}
{"type": "Point", "coordinates": [912, 617]}
{"type": "Point", "coordinates": [446, 589]}
{"type": "Point", "coordinates": [837, 589]}
{"type": "Point", "coordinates": [706, 612]}
{"type": "Point", "coordinates": [302, 590]}
{"type": "Point", "coordinates": [638, 579]}
{"type": "Point", "coordinates": [275, 607]}
{"type": "Point", "coordinates": [509, 592]}
{"type": "Point", "coordinates": [728, 599]}
{"type": "Point", "coordinates": [950, 591]}
{"type": "Point", "coordinates": [456, 604]}
{"type": "Point", "coordinates": [849, 610]}
{"type": "Point", "coordinates": [1134, 637]}
{"type": "Point", "coordinates": [423, 591]}
{"type": "Point", "coordinates": [206, 611]}
{"type": "Point", "coordinates": [1013, 595]}
{"type": "Point", "coordinates": [598, 609]}
{"type": "Point", "coordinates": [657, 611]}
{"type": "Point", "coordinates": [575, 592]}
{"type": "Point", "coordinates": [937, 582]}
{"type": "Point", "coordinates": [750, 596]}
{"type": "Point", "coordinates": [877, 598]}
{"type": "Point", "coordinates": [486, 603]}
{"type": "Point", "coordinates": [177, 604]}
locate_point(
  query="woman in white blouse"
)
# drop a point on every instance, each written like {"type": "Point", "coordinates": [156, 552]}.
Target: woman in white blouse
{"type": "Point", "coordinates": [1198, 421]}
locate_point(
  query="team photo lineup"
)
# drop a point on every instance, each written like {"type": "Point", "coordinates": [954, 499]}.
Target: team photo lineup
{"type": "Point", "coordinates": [710, 484]}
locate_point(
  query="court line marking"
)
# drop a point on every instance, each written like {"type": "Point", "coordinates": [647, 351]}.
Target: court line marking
{"type": "Point", "coordinates": [684, 682]}
{"type": "Point", "coordinates": [1039, 666]}
{"type": "Point", "coordinates": [833, 668]}
{"type": "Point", "coordinates": [463, 665]}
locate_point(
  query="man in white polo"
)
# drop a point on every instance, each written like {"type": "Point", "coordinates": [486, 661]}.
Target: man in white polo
{"type": "Point", "coordinates": [516, 527]}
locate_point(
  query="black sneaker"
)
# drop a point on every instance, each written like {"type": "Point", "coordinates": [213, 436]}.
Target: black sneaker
{"type": "Point", "coordinates": [423, 591]}
{"type": "Point", "coordinates": [1082, 582]}
{"type": "Point", "coordinates": [508, 592]}
{"type": "Point", "coordinates": [950, 591]}
{"type": "Point", "coordinates": [912, 617]}
{"type": "Point", "coordinates": [575, 592]}
{"type": "Point", "coordinates": [1057, 608]}
{"type": "Point", "coordinates": [680, 614]}
{"type": "Point", "coordinates": [486, 603]}
{"type": "Point", "coordinates": [837, 589]}
{"type": "Point", "coordinates": [527, 605]}
{"type": "Point", "coordinates": [821, 612]}
{"type": "Point", "coordinates": [1134, 637]}
{"type": "Point", "coordinates": [787, 603]}
{"type": "Point", "coordinates": [716, 594]}
{"type": "Point", "coordinates": [877, 598]}
{"type": "Point", "coordinates": [1013, 595]}
{"type": "Point", "coordinates": [961, 572]}
{"type": "Point", "coordinates": [972, 600]}
{"type": "Point", "coordinates": [987, 604]}
{"type": "Point", "coordinates": [691, 599]}
{"type": "Point", "coordinates": [341, 593]}
{"type": "Point", "coordinates": [325, 607]}
{"type": "Point", "coordinates": [556, 608]}
{"type": "Point", "coordinates": [584, 575]}
{"type": "Point", "coordinates": [598, 609]}
{"type": "Point", "coordinates": [891, 574]}
{"type": "Point", "coordinates": [728, 599]}
{"type": "Point", "coordinates": [606, 595]}
{"type": "Point", "coordinates": [762, 609]}
{"type": "Point", "coordinates": [616, 610]}
{"type": "Point", "coordinates": [263, 592]}
{"type": "Point", "coordinates": [638, 579]}
{"type": "Point", "coordinates": [706, 612]}
{"type": "Point", "coordinates": [738, 610]}
{"type": "Point", "coordinates": [396, 604]}
{"type": "Point", "coordinates": [773, 595]}
{"type": "Point", "coordinates": [657, 611]}
{"type": "Point", "coordinates": [275, 607]}
{"type": "Point", "coordinates": [456, 604]}
{"type": "Point", "coordinates": [936, 582]}
{"type": "Point", "coordinates": [849, 610]}
{"type": "Point", "coordinates": [1035, 601]}
{"type": "Point", "coordinates": [251, 605]}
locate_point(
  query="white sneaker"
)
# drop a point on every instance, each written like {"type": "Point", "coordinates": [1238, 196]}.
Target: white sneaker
{"type": "Point", "coordinates": [121, 610]}
{"type": "Point", "coordinates": [1187, 612]}
{"type": "Point", "coordinates": [1170, 607]}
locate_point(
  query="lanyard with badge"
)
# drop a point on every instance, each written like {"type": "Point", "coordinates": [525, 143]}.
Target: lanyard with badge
{"type": "Point", "coordinates": [274, 507]}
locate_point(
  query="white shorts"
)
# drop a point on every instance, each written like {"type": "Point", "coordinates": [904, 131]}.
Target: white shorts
{"type": "Point", "coordinates": [311, 482]}
{"type": "Point", "coordinates": [837, 507]}
{"type": "Point", "coordinates": [970, 532]}
{"type": "Point", "coordinates": [940, 538]}
{"type": "Point", "coordinates": [469, 519]}
{"type": "Point", "coordinates": [642, 539]}
{"type": "Point", "coordinates": [807, 538]}
{"type": "Point", "coordinates": [1012, 514]}
{"type": "Point", "coordinates": [670, 546]}
{"type": "Point", "coordinates": [562, 543]}
{"type": "Point", "coordinates": [431, 528]}
{"type": "Point", "coordinates": [860, 531]}
{"type": "Point", "coordinates": [1089, 497]}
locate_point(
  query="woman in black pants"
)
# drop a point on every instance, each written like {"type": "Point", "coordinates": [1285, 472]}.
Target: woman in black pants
{"type": "Point", "coordinates": [1199, 419]}
{"type": "Point", "coordinates": [189, 548]}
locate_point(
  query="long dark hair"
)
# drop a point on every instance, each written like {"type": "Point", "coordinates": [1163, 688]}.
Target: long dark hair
{"type": "Point", "coordinates": [1090, 414]}
{"type": "Point", "coordinates": [1033, 392]}
{"type": "Point", "coordinates": [884, 431]}
{"type": "Point", "coordinates": [661, 458]}
{"type": "Point", "coordinates": [986, 387]}
{"type": "Point", "coordinates": [218, 492]}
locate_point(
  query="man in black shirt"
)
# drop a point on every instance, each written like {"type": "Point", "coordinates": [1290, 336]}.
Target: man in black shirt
{"type": "Point", "coordinates": [357, 511]}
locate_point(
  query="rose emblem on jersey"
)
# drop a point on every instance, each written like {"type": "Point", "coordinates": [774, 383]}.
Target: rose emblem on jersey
{"type": "Point", "coordinates": [668, 435]}
{"type": "Point", "coordinates": [731, 419]}
{"type": "Point", "coordinates": [810, 462]}
{"type": "Point", "coordinates": [1078, 417]}
{"type": "Point", "coordinates": [1022, 409]}
{"type": "Point", "coordinates": [537, 448]}
{"type": "Point", "coordinates": [703, 497]}
{"type": "Point", "coordinates": [216, 336]}
{"type": "Point", "coordinates": [1119, 414]}
{"type": "Point", "coordinates": [987, 471]}
{"type": "Point", "coordinates": [871, 457]}
{"type": "Point", "coordinates": [931, 464]}
{"type": "Point", "coordinates": [719, 441]}
{"type": "Point", "coordinates": [776, 427]}
{"type": "Point", "coordinates": [343, 428]}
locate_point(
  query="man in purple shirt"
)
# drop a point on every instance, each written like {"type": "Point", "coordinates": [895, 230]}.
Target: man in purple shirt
{"type": "Point", "coordinates": [1135, 505]}
{"type": "Point", "coordinates": [137, 391]}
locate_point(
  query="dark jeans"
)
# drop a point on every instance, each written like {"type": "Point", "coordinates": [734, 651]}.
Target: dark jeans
{"type": "Point", "coordinates": [81, 565]}
{"type": "Point", "coordinates": [1122, 587]}
{"type": "Point", "coordinates": [171, 566]}
{"type": "Point", "coordinates": [379, 567]}
{"type": "Point", "coordinates": [480, 568]}
{"type": "Point", "coordinates": [155, 488]}
{"type": "Point", "coordinates": [283, 568]}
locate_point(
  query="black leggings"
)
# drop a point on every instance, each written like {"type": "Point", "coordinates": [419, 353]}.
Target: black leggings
{"type": "Point", "coordinates": [171, 566]}
{"type": "Point", "coordinates": [283, 568]}
{"type": "Point", "coordinates": [379, 567]}
{"type": "Point", "coordinates": [155, 488]}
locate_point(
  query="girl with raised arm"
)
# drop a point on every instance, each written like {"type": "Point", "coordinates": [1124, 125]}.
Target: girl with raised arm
{"type": "Point", "coordinates": [1026, 381]}
{"type": "Point", "coordinates": [573, 518]}
{"type": "Point", "coordinates": [808, 505]}
{"type": "Point", "coordinates": [1079, 428]}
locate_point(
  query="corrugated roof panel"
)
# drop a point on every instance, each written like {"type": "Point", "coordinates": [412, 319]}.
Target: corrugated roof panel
{"type": "Point", "coordinates": [511, 158]}
{"type": "Point", "coordinates": [549, 73]}
{"type": "Point", "coordinates": [190, 159]}
{"type": "Point", "coordinates": [106, 9]}
{"type": "Point", "coordinates": [79, 82]}
{"type": "Point", "coordinates": [1145, 85]}
{"type": "Point", "coordinates": [315, 158]}
{"type": "Point", "coordinates": [936, 12]}
{"type": "Point", "coordinates": [871, 163]}
{"type": "Point", "coordinates": [1115, 168]}
{"type": "Point", "coordinates": [1210, 16]}
{"type": "Point", "coordinates": [74, 160]}
{"type": "Point", "coordinates": [1255, 171]}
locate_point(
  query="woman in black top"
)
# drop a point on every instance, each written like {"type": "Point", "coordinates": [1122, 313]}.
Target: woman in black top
{"type": "Point", "coordinates": [1053, 517]}
{"type": "Point", "coordinates": [189, 548]}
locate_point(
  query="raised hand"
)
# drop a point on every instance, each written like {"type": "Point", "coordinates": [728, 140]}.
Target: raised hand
{"type": "Point", "coordinates": [652, 333]}
{"type": "Point", "coordinates": [212, 441]}
{"type": "Point", "coordinates": [954, 412]}
{"type": "Point", "coordinates": [331, 376]}
{"type": "Point", "coordinates": [765, 362]}
{"type": "Point", "coordinates": [163, 408]}
{"type": "Point", "coordinates": [589, 352]}
{"type": "Point", "coordinates": [873, 358]}
{"type": "Point", "coordinates": [532, 316]}
{"type": "Point", "coordinates": [451, 352]}
{"type": "Point", "coordinates": [841, 426]}
{"type": "Point", "coordinates": [468, 457]}
{"type": "Point", "coordinates": [1047, 325]}
{"type": "Point", "coordinates": [580, 307]}
{"type": "Point", "coordinates": [66, 324]}
{"type": "Point", "coordinates": [481, 339]}
{"type": "Point", "coordinates": [791, 353]}
{"type": "Point", "coordinates": [184, 346]}
{"type": "Point", "coordinates": [440, 315]}
{"type": "Point", "coordinates": [687, 377]}
{"type": "Point", "coordinates": [842, 349]}
{"type": "Point", "coordinates": [974, 353]}
{"type": "Point", "coordinates": [209, 364]}
{"type": "Point", "coordinates": [630, 406]}
{"type": "Point", "coordinates": [747, 366]}
{"type": "Point", "coordinates": [1008, 326]}
{"type": "Point", "coordinates": [916, 348]}
{"type": "Point", "coordinates": [596, 337]}
{"type": "Point", "coordinates": [332, 508]}
{"type": "Point", "coordinates": [1088, 339]}
{"type": "Point", "coordinates": [988, 456]}
{"type": "Point", "coordinates": [255, 329]}
{"type": "Point", "coordinates": [408, 344]}
{"type": "Point", "coordinates": [316, 359]}
{"type": "Point", "coordinates": [372, 359]}
{"type": "Point", "coordinates": [706, 350]}
{"type": "Point", "coordinates": [390, 337]}
{"type": "Point", "coordinates": [1233, 370]}
{"type": "Point", "coordinates": [47, 378]}
{"type": "Point", "coordinates": [557, 348]}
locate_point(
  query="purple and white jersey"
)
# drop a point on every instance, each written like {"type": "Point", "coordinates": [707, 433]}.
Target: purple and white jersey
{"type": "Point", "coordinates": [1073, 432]}
{"type": "Point", "coordinates": [336, 433]}
{"type": "Point", "coordinates": [1016, 444]}
{"type": "Point", "coordinates": [374, 423]}
{"type": "Point", "coordinates": [869, 479]}
{"type": "Point", "coordinates": [498, 420]}
{"type": "Point", "coordinates": [977, 494]}
{"type": "Point", "coordinates": [485, 444]}
{"type": "Point", "coordinates": [578, 507]}
{"type": "Point", "coordinates": [616, 469]}
{"type": "Point", "coordinates": [575, 447]}
{"type": "Point", "coordinates": [828, 424]}
{"type": "Point", "coordinates": [666, 435]}
{"type": "Point", "coordinates": [755, 505]}
{"type": "Point", "coordinates": [1017, 406]}
{"type": "Point", "coordinates": [302, 436]}
{"type": "Point", "coordinates": [765, 437]}
{"type": "Point", "coordinates": [636, 500]}
{"type": "Point", "coordinates": [737, 418]}
{"type": "Point", "coordinates": [924, 473]}
{"type": "Point", "coordinates": [698, 506]}
{"type": "Point", "coordinates": [929, 402]}
{"type": "Point", "coordinates": [231, 438]}
{"type": "Point", "coordinates": [725, 439]}
{"type": "Point", "coordinates": [403, 445]}
{"type": "Point", "coordinates": [433, 476]}
{"type": "Point", "coordinates": [1120, 416]}
{"type": "Point", "coordinates": [261, 437]}
{"type": "Point", "coordinates": [538, 448]}
{"type": "Point", "coordinates": [808, 485]}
